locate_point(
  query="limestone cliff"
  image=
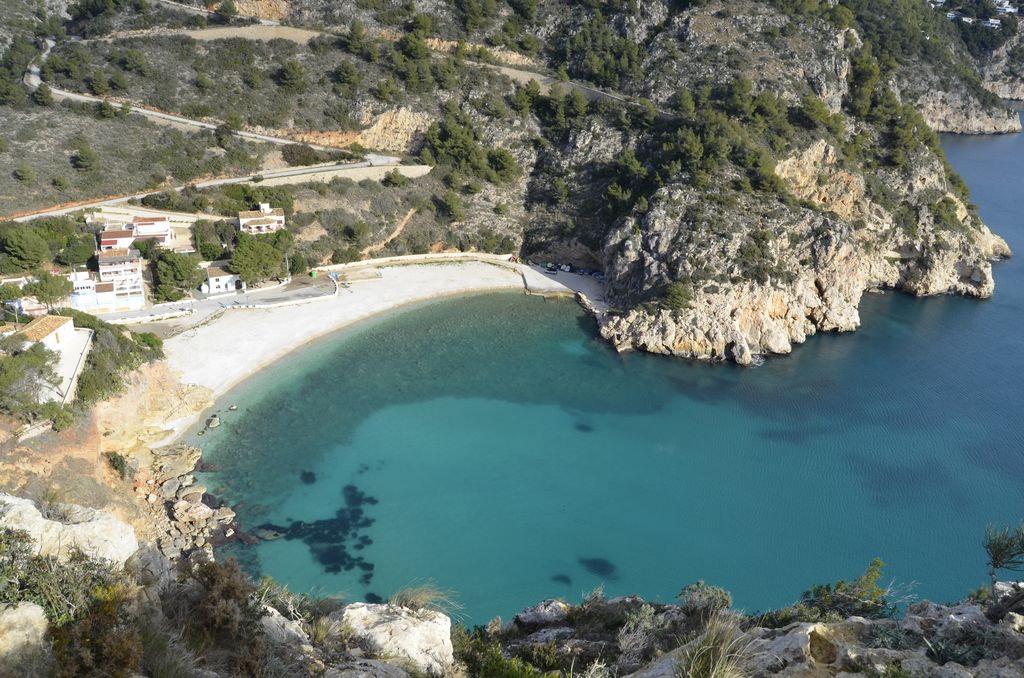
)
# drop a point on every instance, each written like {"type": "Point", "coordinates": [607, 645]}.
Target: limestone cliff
{"type": "Point", "coordinates": [145, 414]}
{"type": "Point", "coordinates": [1003, 71]}
{"type": "Point", "coordinates": [959, 114]}
{"type": "Point", "coordinates": [824, 256]}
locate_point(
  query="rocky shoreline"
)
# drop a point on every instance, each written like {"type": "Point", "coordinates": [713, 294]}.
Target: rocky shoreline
{"type": "Point", "coordinates": [848, 245]}
{"type": "Point", "coordinates": [185, 516]}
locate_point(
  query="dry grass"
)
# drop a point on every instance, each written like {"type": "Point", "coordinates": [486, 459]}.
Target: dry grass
{"type": "Point", "coordinates": [719, 651]}
{"type": "Point", "coordinates": [427, 596]}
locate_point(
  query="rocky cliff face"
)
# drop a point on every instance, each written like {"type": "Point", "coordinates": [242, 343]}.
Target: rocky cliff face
{"type": "Point", "coordinates": [823, 257]}
{"type": "Point", "coordinates": [957, 113]}
{"type": "Point", "coordinates": [1003, 72]}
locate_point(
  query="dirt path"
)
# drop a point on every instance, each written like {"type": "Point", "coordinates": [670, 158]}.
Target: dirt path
{"type": "Point", "coordinates": [373, 249]}
{"type": "Point", "coordinates": [253, 32]}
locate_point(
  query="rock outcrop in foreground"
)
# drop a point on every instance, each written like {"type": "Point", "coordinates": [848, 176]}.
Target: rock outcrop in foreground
{"type": "Point", "coordinates": [421, 640]}
{"type": "Point", "coordinates": [66, 528]}
{"type": "Point", "coordinates": [628, 637]}
{"type": "Point", "coordinates": [210, 619]}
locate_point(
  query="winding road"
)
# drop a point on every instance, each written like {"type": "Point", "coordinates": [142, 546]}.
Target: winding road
{"type": "Point", "coordinates": [296, 172]}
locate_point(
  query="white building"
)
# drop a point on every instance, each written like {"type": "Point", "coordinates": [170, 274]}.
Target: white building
{"type": "Point", "coordinates": [59, 334]}
{"type": "Point", "coordinates": [264, 220]}
{"type": "Point", "coordinates": [95, 297]}
{"type": "Point", "coordinates": [992, 23]}
{"type": "Point", "coordinates": [121, 274]}
{"type": "Point", "coordinates": [157, 229]}
{"type": "Point", "coordinates": [116, 239]}
{"type": "Point", "coordinates": [219, 280]}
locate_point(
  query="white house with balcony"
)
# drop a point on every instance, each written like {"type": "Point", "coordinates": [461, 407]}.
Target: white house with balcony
{"type": "Point", "coordinates": [120, 273]}
{"type": "Point", "coordinates": [116, 239]}
{"type": "Point", "coordinates": [266, 219]}
{"type": "Point", "coordinates": [157, 229]}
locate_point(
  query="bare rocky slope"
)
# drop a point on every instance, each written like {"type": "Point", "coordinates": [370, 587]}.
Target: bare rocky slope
{"type": "Point", "coordinates": [1003, 70]}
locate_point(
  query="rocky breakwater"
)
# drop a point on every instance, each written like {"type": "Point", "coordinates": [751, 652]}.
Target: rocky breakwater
{"type": "Point", "coordinates": [759, 280]}
{"type": "Point", "coordinates": [184, 516]}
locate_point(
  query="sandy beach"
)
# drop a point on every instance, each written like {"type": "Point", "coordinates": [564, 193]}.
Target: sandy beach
{"type": "Point", "coordinates": [220, 352]}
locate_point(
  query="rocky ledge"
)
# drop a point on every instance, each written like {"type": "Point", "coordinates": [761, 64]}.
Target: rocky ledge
{"type": "Point", "coordinates": [59, 530]}
{"type": "Point", "coordinates": [1002, 72]}
{"type": "Point", "coordinates": [630, 637]}
{"type": "Point", "coordinates": [957, 114]}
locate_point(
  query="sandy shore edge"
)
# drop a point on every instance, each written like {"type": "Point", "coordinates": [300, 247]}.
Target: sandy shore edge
{"type": "Point", "coordinates": [221, 354]}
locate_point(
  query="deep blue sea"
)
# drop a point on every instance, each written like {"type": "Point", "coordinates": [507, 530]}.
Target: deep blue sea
{"type": "Point", "coordinates": [491, 444]}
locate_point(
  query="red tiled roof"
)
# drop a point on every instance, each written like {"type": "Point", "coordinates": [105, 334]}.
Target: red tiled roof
{"type": "Point", "coordinates": [44, 326]}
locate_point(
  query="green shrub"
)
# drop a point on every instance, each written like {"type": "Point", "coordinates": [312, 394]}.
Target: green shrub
{"type": "Point", "coordinates": [63, 589]}
{"type": "Point", "coordinates": [703, 599]}
{"type": "Point", "coordinates": [395, 178]}
{"type": "Point", "coordinates": [484, 659]}
{"type": "Point", "coordinates": [118, 462]}
{"type": "Point", "coordinates": [219, 607]}
{"type": "Point", "coordinates": [719, 651]}
{"type": "Point", "coordinates": [861, 597]}
{"type": "Point", "coordinates": [678, 296]}
{"type": "Point", "coordinates": [102, 640]}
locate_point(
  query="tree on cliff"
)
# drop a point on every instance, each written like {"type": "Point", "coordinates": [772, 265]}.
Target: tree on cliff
{"type": "Point", "coordinates": [1005, 549]}
{"type": "Point", "coordinates": [227, 10]}
{"type": "Point", "coordinates": [26, 248]}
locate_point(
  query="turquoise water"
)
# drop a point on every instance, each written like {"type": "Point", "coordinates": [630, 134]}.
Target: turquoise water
{"type": "Point", "coordinates": [493, 445]}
